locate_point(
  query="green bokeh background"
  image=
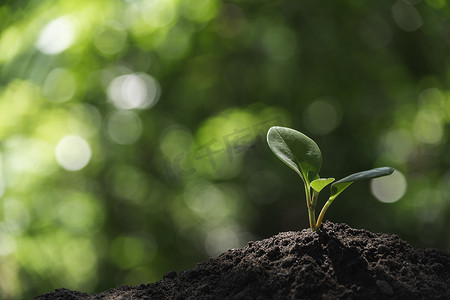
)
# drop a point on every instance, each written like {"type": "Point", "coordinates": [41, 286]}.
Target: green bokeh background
{"type": "Point", "coordinates": [132, 133]}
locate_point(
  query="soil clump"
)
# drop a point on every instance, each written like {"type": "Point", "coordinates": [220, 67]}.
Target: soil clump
{"type": "Point", "coordinates": [338, 262]}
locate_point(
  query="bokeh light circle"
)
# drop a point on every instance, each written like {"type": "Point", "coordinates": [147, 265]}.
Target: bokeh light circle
{"type": "Point", "coordinates": [323, 116]}
{"type": "Point", "coordinates": [134, 91]}
{"type": "Point", "coordinates": [124, 127]}
{"type": "Point", "coordinates": [390, 188]}
{"type": "Point", "coordinates": [73, 153]}
{"type": "Point", "coordinates": [57, 36]}
{"type": "Point", "coordinates": [59, 85]}
{"type": "Point", "coordinates": [111, 38]}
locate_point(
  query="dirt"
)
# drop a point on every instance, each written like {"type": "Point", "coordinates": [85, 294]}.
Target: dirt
{"type": "Point", "coordinates": [338, 262]}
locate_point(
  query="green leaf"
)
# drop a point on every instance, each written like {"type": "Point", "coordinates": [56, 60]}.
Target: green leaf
{"type": "Point", "coordinates": [297, 151]}
{"type": "Point", "coordinates": [340, 185]}
{"type": "Point", "coordinates": [320, 183]}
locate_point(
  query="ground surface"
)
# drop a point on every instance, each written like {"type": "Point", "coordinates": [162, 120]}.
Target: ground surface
{"type": "Point", "coordinates": [339, 262]}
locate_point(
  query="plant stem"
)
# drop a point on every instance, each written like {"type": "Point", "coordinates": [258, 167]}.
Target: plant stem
{"type": "Point", "coordinates": [311, 208]}
{"type": "Point", "coordinates": [322, 212]}
{"type": "Point", "coordinates": [312, 218]}
{"type": "Point", "coordinates": [308, 195]}
{"type": "Point", "coordinates": [315, 195]}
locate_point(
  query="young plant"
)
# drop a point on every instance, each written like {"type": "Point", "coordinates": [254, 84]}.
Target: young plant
{"type": "Point", "coordinates": [303, 155]}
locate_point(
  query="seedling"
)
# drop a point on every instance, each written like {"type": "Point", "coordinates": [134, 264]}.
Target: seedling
{"type": "Point", "coordinates": [303, 155]}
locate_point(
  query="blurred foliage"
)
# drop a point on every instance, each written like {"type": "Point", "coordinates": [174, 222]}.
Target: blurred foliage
{"type": "Point", "coordinates": [132, 133]}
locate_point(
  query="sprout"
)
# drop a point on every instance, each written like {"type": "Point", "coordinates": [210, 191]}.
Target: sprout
{"type": "Point", "coordinates": [303, 155]}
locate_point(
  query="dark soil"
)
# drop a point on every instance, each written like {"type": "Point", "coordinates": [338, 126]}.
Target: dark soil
{"type": "Point", "coordinates": [338, 262]}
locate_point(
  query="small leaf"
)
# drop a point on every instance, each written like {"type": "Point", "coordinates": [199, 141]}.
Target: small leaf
{"type": "Point", "coordinates": [337, 188]}
{"type": "Point", "coordinates": [320, 183]}
{"type": "Point", "coordinates": [297, 151]}
{"type": "Point", "coordinates": [313, 176]}
{"type": "Point", "coordinates": [342, 184]}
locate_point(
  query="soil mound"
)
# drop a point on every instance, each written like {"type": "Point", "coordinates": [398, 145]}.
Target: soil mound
{"type": "Point", "coordinates": [338, 262]}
